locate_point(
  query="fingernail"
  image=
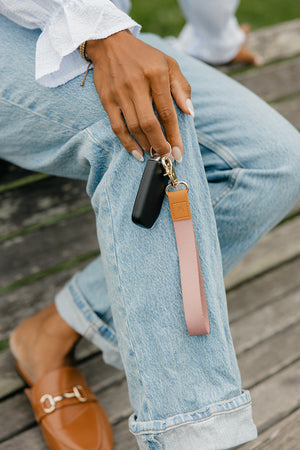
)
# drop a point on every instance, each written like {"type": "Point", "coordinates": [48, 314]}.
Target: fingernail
{"type": "Point", "coordinates": [190, 107]}
{"type": "Point", "coordinates": [177, 154]}
{"type": "Point", "coordinates": [137, 155]}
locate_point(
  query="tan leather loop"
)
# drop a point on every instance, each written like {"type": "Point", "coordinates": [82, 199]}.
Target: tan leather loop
{"type": "Point", "coordinates": [179, 205]}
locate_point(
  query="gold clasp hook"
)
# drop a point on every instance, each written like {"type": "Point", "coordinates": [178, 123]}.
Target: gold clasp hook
{"type": "Point", "coordinates": [169, 170]}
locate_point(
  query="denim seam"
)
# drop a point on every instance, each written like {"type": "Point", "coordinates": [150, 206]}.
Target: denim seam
{"type": "Point", "coordinates": [39, 115]}
{"type": "Point", "coordinates": [130, 337]}
{"type": "Point", "coordinates": [195, 421]}
{"type": "Point", "coordinates": [232, 182]}
{"type": "Point", "coordinates": [95, 141]}
{"type": "Point", "coordinates": [221, 150]}
{"type": "Point", "coordinates": [96, 324]}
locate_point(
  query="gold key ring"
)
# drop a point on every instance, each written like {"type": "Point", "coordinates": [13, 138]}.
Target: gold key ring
{"type": "Point", "coordinates": [153, 152]}
{"type": "Point", "coordinates": [177, 184]}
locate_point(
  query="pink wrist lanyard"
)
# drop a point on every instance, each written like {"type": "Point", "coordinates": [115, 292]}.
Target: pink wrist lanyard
{"type": "Point", "coordinates": [193, 293]}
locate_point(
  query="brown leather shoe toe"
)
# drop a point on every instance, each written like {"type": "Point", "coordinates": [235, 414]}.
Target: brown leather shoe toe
{"type": "Point", "coordinates": [69, 413]}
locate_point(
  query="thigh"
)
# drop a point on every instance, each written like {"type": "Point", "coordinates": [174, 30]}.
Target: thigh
{"type": "Point", "coordinates": [236, 131]}
{"type": "Point", "coordinates": [250, 153]}
{"type": "Point", "coordinates": [36, 122]}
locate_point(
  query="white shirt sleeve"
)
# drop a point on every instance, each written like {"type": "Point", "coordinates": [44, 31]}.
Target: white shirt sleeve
{"type": "Point", "coordinates": [65, 24]}
{"type": "Point", "coordinates": [212, 32]}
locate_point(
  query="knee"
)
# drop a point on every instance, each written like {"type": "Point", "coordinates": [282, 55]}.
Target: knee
{"type": "Point", "coordinates": [282, 144]}
{"type": "Point", "coordinates": [288, 156]}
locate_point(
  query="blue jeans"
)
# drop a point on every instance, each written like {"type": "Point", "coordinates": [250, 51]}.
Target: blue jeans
{"type": "Point", "coordinates": [242, 162]}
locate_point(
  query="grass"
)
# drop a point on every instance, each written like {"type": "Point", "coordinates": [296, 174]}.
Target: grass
{"type": "Point", "coordinates": [52, 270]}
{"type": "Point", "coordinates": [4, 345]}
{"type": "Point", "coordinates": [23, 181]}
{"type": "Point", "coordinates": [164, 17]}
{"type": "Point", "coordinates": [46, 223]}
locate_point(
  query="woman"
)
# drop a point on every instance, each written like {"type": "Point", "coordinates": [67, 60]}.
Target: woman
{"type": "Point", "coordinates": [233, 150]}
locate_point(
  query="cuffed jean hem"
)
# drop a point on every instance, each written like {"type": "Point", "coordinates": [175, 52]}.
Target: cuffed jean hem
{"type": "Point", "coordinates": [76, 311]}
{"type": "Point", "coordinates": [222, 425]}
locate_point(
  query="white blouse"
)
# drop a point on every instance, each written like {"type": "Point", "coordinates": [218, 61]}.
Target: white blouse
{"type": "Point", "coordinates": [65, 24]}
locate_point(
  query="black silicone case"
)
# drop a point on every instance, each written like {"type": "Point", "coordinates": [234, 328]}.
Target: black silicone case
{"type": "Point", "coordinates": [150, 194]}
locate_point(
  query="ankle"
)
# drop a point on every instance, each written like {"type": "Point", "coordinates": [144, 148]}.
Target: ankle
{"type": "Point", "coordinates": [56, 326]}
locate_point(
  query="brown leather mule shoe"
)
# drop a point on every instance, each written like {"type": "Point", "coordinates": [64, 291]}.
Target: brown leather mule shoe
{"type": "Point", "coordinates": [68, 412]}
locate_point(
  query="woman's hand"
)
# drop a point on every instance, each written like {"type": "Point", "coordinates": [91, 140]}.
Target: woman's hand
{"type": "Point", "coordinates": [129, 75]}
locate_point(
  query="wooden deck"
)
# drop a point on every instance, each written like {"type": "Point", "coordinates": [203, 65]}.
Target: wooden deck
{"type": "Point", "coordinates": [44, 222]}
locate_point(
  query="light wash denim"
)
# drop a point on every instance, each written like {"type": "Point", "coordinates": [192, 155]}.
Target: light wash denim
{"type": "Point", "coordinates": [242, 162]}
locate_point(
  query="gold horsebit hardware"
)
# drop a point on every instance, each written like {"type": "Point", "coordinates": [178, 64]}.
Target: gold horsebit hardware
{"type": "Point", "coordinates": [170, 172]}
{"type": "Point", "coordinates": [53, 400]}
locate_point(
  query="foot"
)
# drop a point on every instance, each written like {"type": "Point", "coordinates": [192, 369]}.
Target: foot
{"type": "Point", "coordinates": [42, 343]}
{"type": "Point", "coordinates": [245, 55]}
{"type": "Point", "coordinates": [246, 27]}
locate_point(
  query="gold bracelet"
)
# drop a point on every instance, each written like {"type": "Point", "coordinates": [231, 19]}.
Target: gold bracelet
{"type": "Point", "coordinates": [82, 48]}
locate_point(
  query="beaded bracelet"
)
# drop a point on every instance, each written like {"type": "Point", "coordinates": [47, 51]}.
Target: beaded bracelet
{"type": "Point", "coordinates": [82, 48]}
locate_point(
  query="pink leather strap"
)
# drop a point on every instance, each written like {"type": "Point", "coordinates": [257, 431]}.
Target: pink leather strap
{"type": "Point", "coordinates": [193, 293]}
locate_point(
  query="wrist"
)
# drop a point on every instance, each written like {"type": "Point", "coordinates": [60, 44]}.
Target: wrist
{"type": "Point", "coordinates": [94, 47]}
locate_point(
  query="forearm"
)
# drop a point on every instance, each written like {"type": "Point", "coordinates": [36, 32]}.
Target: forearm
{"type": "Point", "coordinates": [65, 24]}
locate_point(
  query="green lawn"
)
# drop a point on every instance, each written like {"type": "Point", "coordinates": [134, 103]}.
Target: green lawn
{"type": "Point", "coordinates": [165, 18]}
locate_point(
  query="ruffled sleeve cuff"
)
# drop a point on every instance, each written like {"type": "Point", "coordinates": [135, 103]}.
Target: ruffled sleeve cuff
{"type": "Point", "coordinates": [70, 24]}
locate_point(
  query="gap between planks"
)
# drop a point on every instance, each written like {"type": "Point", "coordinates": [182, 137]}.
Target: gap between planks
{"type": "Point", "coordinates": [240, 331]}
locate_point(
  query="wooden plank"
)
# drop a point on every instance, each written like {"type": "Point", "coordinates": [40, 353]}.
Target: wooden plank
{"type": "Point", "coordinates": [271, 251]}
{"type": "Point", "coordinates": [246, 332]}
{"type": "Point", "coordinates": [27, 300]}
{"type": "Point", "coordinates": [285, 435]}
{"type": "Point", "coordinates": [276, 41]}
{"type": "Point", "coordinates": [295, 210]}
{"type": "Point", "coordinates": [280, 245]}
{"type": "Point", "coordinates": [94, 378]}
{"type": "Point", "coordinates": [259, 291]}
{"type": "Point", "coordinates": [243, 300]}
{"type": "Point", "coordinates": [46, 199]}
{"type": "Point", "coordinates": [277, 397]}
{"type": "Point", "coordinates": [290, 109]}
{"type": "Point", "coordinates": [262, 361]}
{"type": "Point", "coordinates": [108, 383]}
{"type": "Point", "coordinates": [268, 408]}
{"type": "Point", "coordinates": [124, 440]}
{"type": "Point", "coordinates": [11, 382]}
{"type": "Point", "coordinates": [38, 202]}
{"type": "Point", "coordinates": [265, 322]}
{"type": "Point", "coordinates": [270, 356]}
{"type": "Point", "coordinates": [42, 249]}
{"type": "Point", "coordinates": [10, 172]}
{"type": "Point", "coordinates": [33, 440]}
{"type": "Point", "coordinates": [273, 82]}
{"type": "Point", "coordinates": [272, 43]}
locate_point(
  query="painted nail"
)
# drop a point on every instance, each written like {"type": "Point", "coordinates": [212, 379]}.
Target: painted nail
{"type": "Point", "coordinates": [177, 154]}
{"type": "Point", "coordinates": [190, 107]}
{"type": "Point", "coordinates": [137, 155]}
